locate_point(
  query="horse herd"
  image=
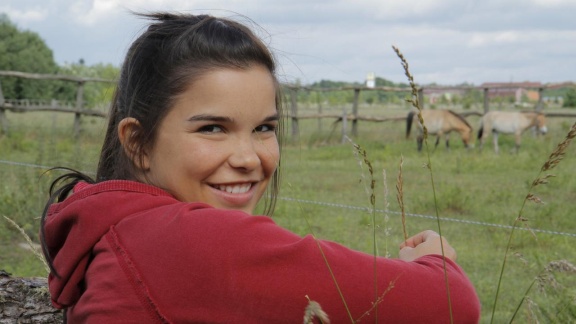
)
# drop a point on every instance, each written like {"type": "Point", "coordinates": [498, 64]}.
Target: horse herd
{"type": "Point", "coordinates": [441, 122]}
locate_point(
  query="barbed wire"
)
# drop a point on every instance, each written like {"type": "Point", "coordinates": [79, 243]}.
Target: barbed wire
{"type": "Point", "coordinates": [359, 208]}
{"type": "Point", "coordinates": [36, 166]}
{"type": "Point", "coordinates": [456, 220]}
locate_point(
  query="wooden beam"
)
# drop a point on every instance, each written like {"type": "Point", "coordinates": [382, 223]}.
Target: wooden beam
{"type": "Point", "coordinates": [38, 76]}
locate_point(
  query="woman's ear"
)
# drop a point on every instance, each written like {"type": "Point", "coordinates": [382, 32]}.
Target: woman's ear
{"type": "Point", "coordinates": [130, 135]}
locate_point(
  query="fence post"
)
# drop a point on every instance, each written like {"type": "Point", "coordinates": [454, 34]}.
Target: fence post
{"type": "Point", "coordinates": [319, 101]}
{"type": "Point", "coordinates": [294, 110]}
{"type": "Point", "coordinates": [421, 97]}
{"type": "Point", "coordinates": [3, 119]}
{"type": "Point", "coordinates": [344, 125]}
{"type": "Point", "coordinates": [79, 104]}
{"type": "Point", "coordinates": [355, 112]}
{"type": "Point", "coordinates": [540, 105]}
{"type": "Point", "coordinates": [486, 100]}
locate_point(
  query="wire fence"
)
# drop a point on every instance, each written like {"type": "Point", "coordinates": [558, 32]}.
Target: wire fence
{"type": "Point", "coordinates": [447, 219]}
{"type": "Point", "coordinates": [359, 208]}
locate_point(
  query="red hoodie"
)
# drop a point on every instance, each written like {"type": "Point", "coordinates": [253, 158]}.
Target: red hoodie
{"type": "Point", "coordinates": [128, 252]}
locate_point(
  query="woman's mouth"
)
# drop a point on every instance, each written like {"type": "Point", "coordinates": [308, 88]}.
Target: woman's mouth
{"type": "Point", "coordinates": [234, 189]}
{"type": "Point", "coordinates": [241, 195]}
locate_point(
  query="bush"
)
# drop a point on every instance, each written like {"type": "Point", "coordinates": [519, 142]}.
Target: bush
{"type": "Point", "coordinates": [570, 98]}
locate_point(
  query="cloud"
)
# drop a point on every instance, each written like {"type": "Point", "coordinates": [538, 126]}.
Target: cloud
{"type": "Point", "coordinates": [24, 16]}
{"type": "Point", "coordinates": [486, 39]}
{"type": "Point", "coordinates": [91, 13]}
{"type": "Point", "coordinates": [554, 3]}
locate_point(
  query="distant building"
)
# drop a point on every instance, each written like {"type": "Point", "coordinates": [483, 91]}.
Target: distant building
{"type": "Point", "coordinates": [434, 95]}
{"type": "Point", "coordinates": [515, 90]}
{"type": "Point", "coordinates": [370, 80]}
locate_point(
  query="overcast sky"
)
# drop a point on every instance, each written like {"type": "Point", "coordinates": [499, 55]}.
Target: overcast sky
{"type": "Point", "coordinates": [445, 41]}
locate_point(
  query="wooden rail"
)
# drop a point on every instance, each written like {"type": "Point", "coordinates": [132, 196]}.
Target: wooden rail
{"type": "Point", "coordinates": [28, 105]}
{"type": "Point", "coordinates": [25, 105]}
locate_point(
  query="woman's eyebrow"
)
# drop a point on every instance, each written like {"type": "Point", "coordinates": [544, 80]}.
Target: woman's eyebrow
{"type": "Point", "coordinates": [213, 118]}
{"type": "Point", "coordinates": [274, 117]}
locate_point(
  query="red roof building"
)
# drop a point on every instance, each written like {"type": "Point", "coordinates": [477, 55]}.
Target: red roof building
{"type": "Point", "coordinates": [516, 90]}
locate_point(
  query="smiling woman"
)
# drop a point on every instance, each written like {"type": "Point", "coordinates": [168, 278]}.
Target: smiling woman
{"type": "Point", "coordinates": [228, 117]}
{"type": "Point", "coordinates": [166, 233]}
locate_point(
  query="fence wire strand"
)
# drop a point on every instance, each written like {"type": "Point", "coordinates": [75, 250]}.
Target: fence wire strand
{"type": "Point", "coordinates": [359, 208]}
{"type": "Point", "coordinates": [456, 220]}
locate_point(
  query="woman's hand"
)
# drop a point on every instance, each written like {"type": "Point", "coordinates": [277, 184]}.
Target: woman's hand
{"type": "Point", "coordinates": [424, 243]}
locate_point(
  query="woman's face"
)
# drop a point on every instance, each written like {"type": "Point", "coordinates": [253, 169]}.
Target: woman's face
{"type": "Point", "coordinates": [217, 144]}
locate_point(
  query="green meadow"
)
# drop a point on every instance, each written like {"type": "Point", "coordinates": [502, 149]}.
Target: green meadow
{"type": "Point", "coordinates": [326, 192]}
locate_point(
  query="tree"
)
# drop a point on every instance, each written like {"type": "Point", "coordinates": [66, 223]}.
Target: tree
{"type": "Point", "coordinates": [24, 51]}
{"type": "Point", "coordinates": [95, 93]}
{"type": "Point", "coordinates": [570, 98]}
{"type": "Point", "coordinates": [470, 97]}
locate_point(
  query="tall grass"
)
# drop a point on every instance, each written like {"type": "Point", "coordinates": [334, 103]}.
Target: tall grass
{"type": "Point", "coordinates": [543, 177]}
{"type": "Point", "coordinates": [416, 104]}
{"type": "Point", "coordinates": [370, 185]}
{"type": "Point", "coordinates": [553, 160]}
{"type": "Point", "coordinates": [36, 141]}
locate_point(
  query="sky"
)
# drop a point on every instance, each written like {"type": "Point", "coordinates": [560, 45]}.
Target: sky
{"type": "Point", "coordinates": [447, 42]}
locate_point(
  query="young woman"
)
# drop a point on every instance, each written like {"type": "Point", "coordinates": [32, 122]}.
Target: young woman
{"type": "Point", "coordinates": [165, 233]}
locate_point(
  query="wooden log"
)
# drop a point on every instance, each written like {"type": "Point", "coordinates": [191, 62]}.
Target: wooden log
{"type": "Point", "coordinates": [344, 120]}
{"type": "Point", "coordinates": [540, 104]}
{"type": "Point", "coordinates": [350, 117]}
{"type": "Point", "coordinates": [3, 120]}
{"type": "Point", "coordinates": [79, 106]}
{"type": "Point", "coordinates": [26, 300]}
{"type": "Point", "coordinates": [294, 111]}
{"type": "Point", "coordinates": [486, 100]}
{"type": "Point", "coordinates": [355, 112]}
{"type": "Point", "coordinates": [87, 112]}
{"type": "Point", "coordinates": [38, 76]}
{"type": "Point", "coordinates": [421, 98]}
{"type": "Point", "coordinates": [319, 111]}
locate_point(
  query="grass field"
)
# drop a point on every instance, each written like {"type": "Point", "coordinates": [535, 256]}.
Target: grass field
{"type": "Point", "coordinates": [478, 195]}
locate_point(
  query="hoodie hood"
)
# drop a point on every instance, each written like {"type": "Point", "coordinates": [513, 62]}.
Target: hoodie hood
{"type": "Point", "coordinates": [75, 225]}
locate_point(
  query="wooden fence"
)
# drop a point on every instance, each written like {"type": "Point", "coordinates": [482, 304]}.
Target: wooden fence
{"type": "Point", "coordinates": [78, 109]}
{"type": "Point", "coordinates": [355, 116]}
{"type": "Point", "coordinates": [29, 105]}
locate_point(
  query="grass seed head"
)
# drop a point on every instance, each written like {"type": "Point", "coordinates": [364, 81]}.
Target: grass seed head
{"type": "Point", "coordinates": [558, 154]}
{"type": "Point", "coordinates": [532, 197]}
{"type": "Point", "coordinates": [547, 279]}
{"type": "Point", "coordinates": [314, 311]}
{"type": "Point", "coordinates": [532, 311]}
{"type": "Point", "coordinates": [400, 197]}
{"type": "Point", "coordinates": [414, 98]}
{"type": "Point", "coordinates": [561, 266]}
{"type": "Point", "coordinates": [542, 180]}
{"type": "Point", "coordinates": [34, 250]}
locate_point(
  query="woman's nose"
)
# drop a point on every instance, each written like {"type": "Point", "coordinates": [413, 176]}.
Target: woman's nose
{"type": "Point", "coordinates": [244, 155]}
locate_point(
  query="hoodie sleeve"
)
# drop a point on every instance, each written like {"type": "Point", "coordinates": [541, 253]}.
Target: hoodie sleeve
{"type": "Point", "coordinates": [204, 264]}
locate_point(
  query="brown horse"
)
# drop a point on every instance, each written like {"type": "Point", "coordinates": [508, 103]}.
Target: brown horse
{"type": "Point", "coordinates": [510, 122]}
{"type": "Point", "coordinates": [439, 122]}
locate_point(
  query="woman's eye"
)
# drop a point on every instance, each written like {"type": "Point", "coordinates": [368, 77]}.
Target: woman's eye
{"type": "Point", "coordinates": [265, 128]}
{"type": "Point", "coordinates": [210, 129]}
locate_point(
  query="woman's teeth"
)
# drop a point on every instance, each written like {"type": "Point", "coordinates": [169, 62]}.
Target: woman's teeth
{"type": "Point", "coordinates": [235, 189]}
